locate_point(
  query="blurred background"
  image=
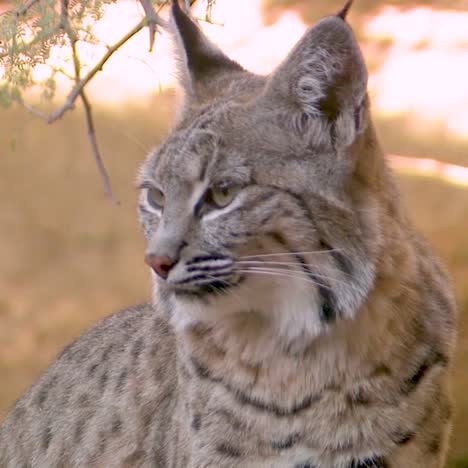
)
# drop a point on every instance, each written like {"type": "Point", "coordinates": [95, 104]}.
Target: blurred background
{"type": "Point", "coordinates": [69, 256]}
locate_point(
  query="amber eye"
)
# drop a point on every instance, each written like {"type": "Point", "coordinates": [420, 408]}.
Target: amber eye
{"type": "Point", "coordinates": [155, 198]}
{"type": "Point", "coordinates": [223, 195]}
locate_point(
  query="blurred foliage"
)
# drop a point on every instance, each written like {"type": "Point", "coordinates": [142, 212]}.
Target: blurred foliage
{"type": "Point", "coordinates": [29, 31]}
{"type": "Point", "coordinates": [27, 34]}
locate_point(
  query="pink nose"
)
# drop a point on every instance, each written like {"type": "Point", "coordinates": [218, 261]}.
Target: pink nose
{"type": "Point", "coordinates": [160, 265]}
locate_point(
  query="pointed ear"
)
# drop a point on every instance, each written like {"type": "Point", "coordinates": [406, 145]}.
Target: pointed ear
{"type": "Point", "coordinates": [324, 77]}
{"type": "Point", "coordinates": [201, 62]}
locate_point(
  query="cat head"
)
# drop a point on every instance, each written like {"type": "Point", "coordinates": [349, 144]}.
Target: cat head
{"type": "Point", "coordinates": [261, 200]}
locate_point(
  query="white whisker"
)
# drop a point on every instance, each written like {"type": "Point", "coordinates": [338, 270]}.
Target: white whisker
{"type": "Point", "coordinates": [299, 276]}
{"type": "Point", "coordinates": [276, 266]}
{"type": "Point", "coordinates": [289, 253]}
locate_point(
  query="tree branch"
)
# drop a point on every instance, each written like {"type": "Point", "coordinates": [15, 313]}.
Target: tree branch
{"type": "Point", "coordinates": [65, 23]}
{"type": "Point", "coordinates": [75, 92]}
{"type": "Point", "coordinates": [95, 148]}
{"type": "Point", "coordinates": [153, 20]}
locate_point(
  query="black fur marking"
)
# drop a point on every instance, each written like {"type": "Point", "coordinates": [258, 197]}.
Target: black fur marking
{"type": "Point", "coordinates": [279, 238]}
{"type": "Point", "coordinates": [147, 420]}
{"type": "Point", "coordinates": [203, 371]}
{"type": "Point", "coordinates": [205, 288]}
{"type": "Point", "coordinates": [344, 263]}
{"type": "Point", "coordinates": [121, 380]}
{"type": "Point", "coordinates": [194, 278]}
{"type": "Point", "coordinates": [116, 427]}
{"type": "Point", "coordinates": [92, 369]}
{"type": "Point", "coordinates": [287, 443]}
{"type": "Point", "coordinates": [137, 349]}
{"type": "Point", "coordinates": [327, 313]}
{"type": "Point", "coordinates": [207, 258]}
{"type": "Point", "coordinates": [216, 287]}
{"type": "Point", "coordinates": [403, 438]}
{"type": "Point", "coordinates": [196, 422]}
{"type": "Point", "coordinates": [79, 429]}
{"type": "Point", "coordinates": [106, 353]}
{"type": "Point", "coordinates": [46, 438]}
{"type": "Point", "coordinates": [330, 106]}
{"type": "Point", "coordinates": [103, 381]}
{"type": "Point", "coordinates": [358, 398]}
{"type": "Point", "coordinates": [153, 350]}
{"type": "Point", "coordinates": [434, 358]}
{"type": "Point", "coordinates": [244, 399]}
{"type": "Point", "coordinates": [228, 450]}
{"type": "Point", "coordinates": [381, 371]}
{"type": "Point", "coordinates": [434, 444]}
{"type": "Point", "coordinates": [278, 411]}
{"type": "Point", "coordinates": [358, 117]}
{"type": "Point", "coordinates": [329, 308]}
{"type": "Point", "coordinates": [208, 267]}
{"type": "Point", "coordinates": [304, 465]}
{"type": "Point", "coordinates": [42, 396]}
{"type": "Point", "coordinates": [374, 462]}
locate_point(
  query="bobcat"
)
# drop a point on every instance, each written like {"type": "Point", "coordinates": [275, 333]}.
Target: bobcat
{"type": "Point", "coordinates": [297, 319]}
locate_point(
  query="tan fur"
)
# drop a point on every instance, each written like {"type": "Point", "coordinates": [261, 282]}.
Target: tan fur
{"type": "Point", "coordinates": [303, 324]}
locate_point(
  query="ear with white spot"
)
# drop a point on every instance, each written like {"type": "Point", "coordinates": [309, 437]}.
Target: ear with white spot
{"type": "Point", "coordinates": [325, 77]}
{"type": "Point", "coordinates": [201, 63]}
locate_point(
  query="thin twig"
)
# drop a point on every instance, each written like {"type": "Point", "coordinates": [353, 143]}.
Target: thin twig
{"type": "Point", "coordinates": [209, 21]}
{"type": "Point", "coordinates": [95, 148]}
{"type": "Point", "coordinates": [75, 92]}
{"type": "Point", "coordinates": [153, 20]}
{"type": "Point", "coordinates": [31, 109]}
{"type": "Point", "coordinates": [65, 23]}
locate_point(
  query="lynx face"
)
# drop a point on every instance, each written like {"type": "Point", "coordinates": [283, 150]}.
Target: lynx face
{"type": "Point", "coordinates": [254, 202]}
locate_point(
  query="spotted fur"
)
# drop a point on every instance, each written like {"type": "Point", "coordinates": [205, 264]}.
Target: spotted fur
{"type": "Point", "coordinates": [298, 323]}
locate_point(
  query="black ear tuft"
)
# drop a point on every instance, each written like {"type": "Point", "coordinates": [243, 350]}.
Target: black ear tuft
{"type": "Point", "coordinates": [344, 11]}
{"type": "Point", "coordinates": [200, 60]}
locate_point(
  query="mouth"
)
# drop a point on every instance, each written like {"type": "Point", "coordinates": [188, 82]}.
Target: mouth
{"type": "Point", "coordinates": [206, 288]}
{"type": "Point", "coordinates": [208, 275]}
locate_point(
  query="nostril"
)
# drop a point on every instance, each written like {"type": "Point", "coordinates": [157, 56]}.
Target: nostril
{"type": "Point", "coordinates": [166, 267]}
{"type": "Point", "coordinates": [161, 265]}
